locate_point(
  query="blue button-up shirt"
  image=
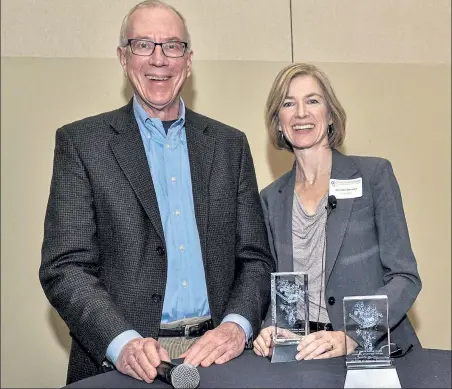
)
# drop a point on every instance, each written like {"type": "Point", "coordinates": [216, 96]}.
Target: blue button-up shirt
{"type": "Point", "coordinates": [167, 155]}
{"type": "Point", "coordinates": [186, 290]}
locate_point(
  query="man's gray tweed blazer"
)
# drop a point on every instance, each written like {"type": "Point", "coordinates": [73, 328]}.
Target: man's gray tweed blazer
{"type": "Point", "coordinates": [103, 255]}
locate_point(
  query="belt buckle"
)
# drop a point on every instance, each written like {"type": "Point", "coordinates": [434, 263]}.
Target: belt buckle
{"type": "Point", "coordinates": [187, 330]}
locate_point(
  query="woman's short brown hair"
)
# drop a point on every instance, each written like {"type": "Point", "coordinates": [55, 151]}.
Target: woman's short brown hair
{"type": "Point", "coordinates": [278, 93]}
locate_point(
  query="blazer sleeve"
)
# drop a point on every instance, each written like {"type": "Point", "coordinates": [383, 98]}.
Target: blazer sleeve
{"type": "Point", "coordinates": [264, 203]}
{"type": "Point", "coordinates": [401, 278]}
{"type": "Point", "coordinates": [251, 289]}
{"type": "Point", "coordinates": [69, 271]}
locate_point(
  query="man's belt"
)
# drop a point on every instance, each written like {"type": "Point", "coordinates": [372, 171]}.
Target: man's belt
{"type": "Point", "coordinates": [187, 330]}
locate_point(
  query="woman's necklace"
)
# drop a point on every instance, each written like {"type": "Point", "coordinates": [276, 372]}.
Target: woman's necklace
{"type": "Point", "coordinates": [301, 177]}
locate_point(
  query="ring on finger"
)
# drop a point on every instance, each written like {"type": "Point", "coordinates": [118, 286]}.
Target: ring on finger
{"type": "Point", "coordinates": [331, 345]}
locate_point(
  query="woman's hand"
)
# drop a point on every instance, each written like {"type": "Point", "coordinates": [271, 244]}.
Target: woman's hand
{"type": "Point", "coordinates": [325, 344]}
{"type": "Point", "coordinates": [263, 344]}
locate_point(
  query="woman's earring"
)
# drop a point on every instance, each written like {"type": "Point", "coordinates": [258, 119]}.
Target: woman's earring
{"type": "Point", "coordinates": [280, 134]}
{"type": "Point", "coordinates": [330, 130]}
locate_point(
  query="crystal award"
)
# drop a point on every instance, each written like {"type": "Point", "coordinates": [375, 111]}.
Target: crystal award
{"type": "Point", "coordinates": [290, 313]}
{"type": "Point", "coordinates": [366, 322]}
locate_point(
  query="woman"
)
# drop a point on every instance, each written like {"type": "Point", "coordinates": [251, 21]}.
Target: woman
{"type": "Point", "coordinates": [357, 245]}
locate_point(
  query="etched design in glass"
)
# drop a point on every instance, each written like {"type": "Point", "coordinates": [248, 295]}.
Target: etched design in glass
{"type": "Point", "coordinates": [290, 307]}
{"type": "Point", "coordinates": [366, 322]}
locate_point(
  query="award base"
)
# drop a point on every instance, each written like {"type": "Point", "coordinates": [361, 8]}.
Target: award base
{"type": "Point", "coordinates": [284, 352]}
{"type": "Point", "coordinates": [372, 378]}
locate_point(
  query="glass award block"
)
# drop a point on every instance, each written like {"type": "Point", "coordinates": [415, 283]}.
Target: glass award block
{"type": "Point", "coordinates": [290, 313]}
{"type": "Point", "coordinates": [366, 322]}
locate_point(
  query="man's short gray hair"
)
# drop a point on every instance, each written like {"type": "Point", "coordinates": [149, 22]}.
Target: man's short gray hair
{"type": "Point", "coordinates": [150, 4]}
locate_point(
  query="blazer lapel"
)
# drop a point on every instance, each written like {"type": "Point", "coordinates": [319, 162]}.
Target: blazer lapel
{"type": "Point", "coordinates": [342, 168]}
{"type": "Point", "coordinates": [283, 223]}
{"type": "Point", "coordinates": [129, 151]}
{"type": "Point", "coordinates": [201, 149]}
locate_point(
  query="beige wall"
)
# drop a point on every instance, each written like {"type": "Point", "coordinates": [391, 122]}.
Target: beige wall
{"type": "Point", "coordinates": [388, 60]}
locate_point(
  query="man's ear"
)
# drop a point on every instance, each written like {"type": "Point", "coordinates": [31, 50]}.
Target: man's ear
{"type": "Point", "coordinates": [121, 52]}
{"type": "Point", "coordinates": [189, 63]}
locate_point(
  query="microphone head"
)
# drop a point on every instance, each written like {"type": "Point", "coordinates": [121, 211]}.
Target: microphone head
{"type": "Point", "coordinates": [332, 201]}
{"type": "Point", "coordinates": [185, 376]}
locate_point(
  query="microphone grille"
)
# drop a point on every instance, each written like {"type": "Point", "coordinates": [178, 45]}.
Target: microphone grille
{"type": "Point", "coordinates": [185, 376]}
{"type": "Point", "coordinates": [332, 201]}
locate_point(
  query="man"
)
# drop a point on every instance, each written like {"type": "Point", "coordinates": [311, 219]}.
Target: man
{"type": "Point", "coordinates": [154, 228]}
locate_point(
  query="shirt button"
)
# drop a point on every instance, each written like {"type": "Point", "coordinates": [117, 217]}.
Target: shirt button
{"type": "Point", "coordinates": [181, 247]}
{"type": "Point", "coordinates": [184, 284]}
{"type": "Point", "coordinates": [331, 300]}
{"type": "Point", "coordinates": [167, 146]}
{"type": "Point", "coordinates": [177, 212]}
{"type": "Point", "coordinates": [173, 179]}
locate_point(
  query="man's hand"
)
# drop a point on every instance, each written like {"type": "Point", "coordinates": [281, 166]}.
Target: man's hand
{"type": "Point", "coordinates": [219, 345]}
{"type": "Point", "coordinates": [140, 357]}
{"type": "Point", "coordinates": [325, 344]}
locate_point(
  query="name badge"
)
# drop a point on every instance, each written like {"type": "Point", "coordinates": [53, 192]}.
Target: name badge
{"type": "Point", "coordinates": [346, 189]}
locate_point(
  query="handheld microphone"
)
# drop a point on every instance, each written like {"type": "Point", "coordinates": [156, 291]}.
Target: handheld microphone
{"type": "Point", "coordinates": [184, 376]}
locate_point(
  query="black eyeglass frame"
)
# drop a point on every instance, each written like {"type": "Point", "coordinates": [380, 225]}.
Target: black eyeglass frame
{"type": "Point", "coordinates": [130, 41]}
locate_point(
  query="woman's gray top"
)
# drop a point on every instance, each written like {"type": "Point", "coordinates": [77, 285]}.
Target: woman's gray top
{"type": "Point", "coordinates": [309, 244]}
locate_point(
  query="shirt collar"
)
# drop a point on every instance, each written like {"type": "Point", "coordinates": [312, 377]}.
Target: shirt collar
{"type": "Point", "coordinates": [155, 124]}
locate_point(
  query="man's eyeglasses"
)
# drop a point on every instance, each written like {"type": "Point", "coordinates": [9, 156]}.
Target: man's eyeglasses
{"type": "Point", "coordinates": [145, 47]}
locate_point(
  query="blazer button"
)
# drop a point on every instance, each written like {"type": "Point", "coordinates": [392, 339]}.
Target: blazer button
{"type": "Point", "coordinates": [156, 298]}
{"type": "Point", "coordinates": [331, 300]}
{"type": "Point", "coordinates": [160, 251]}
